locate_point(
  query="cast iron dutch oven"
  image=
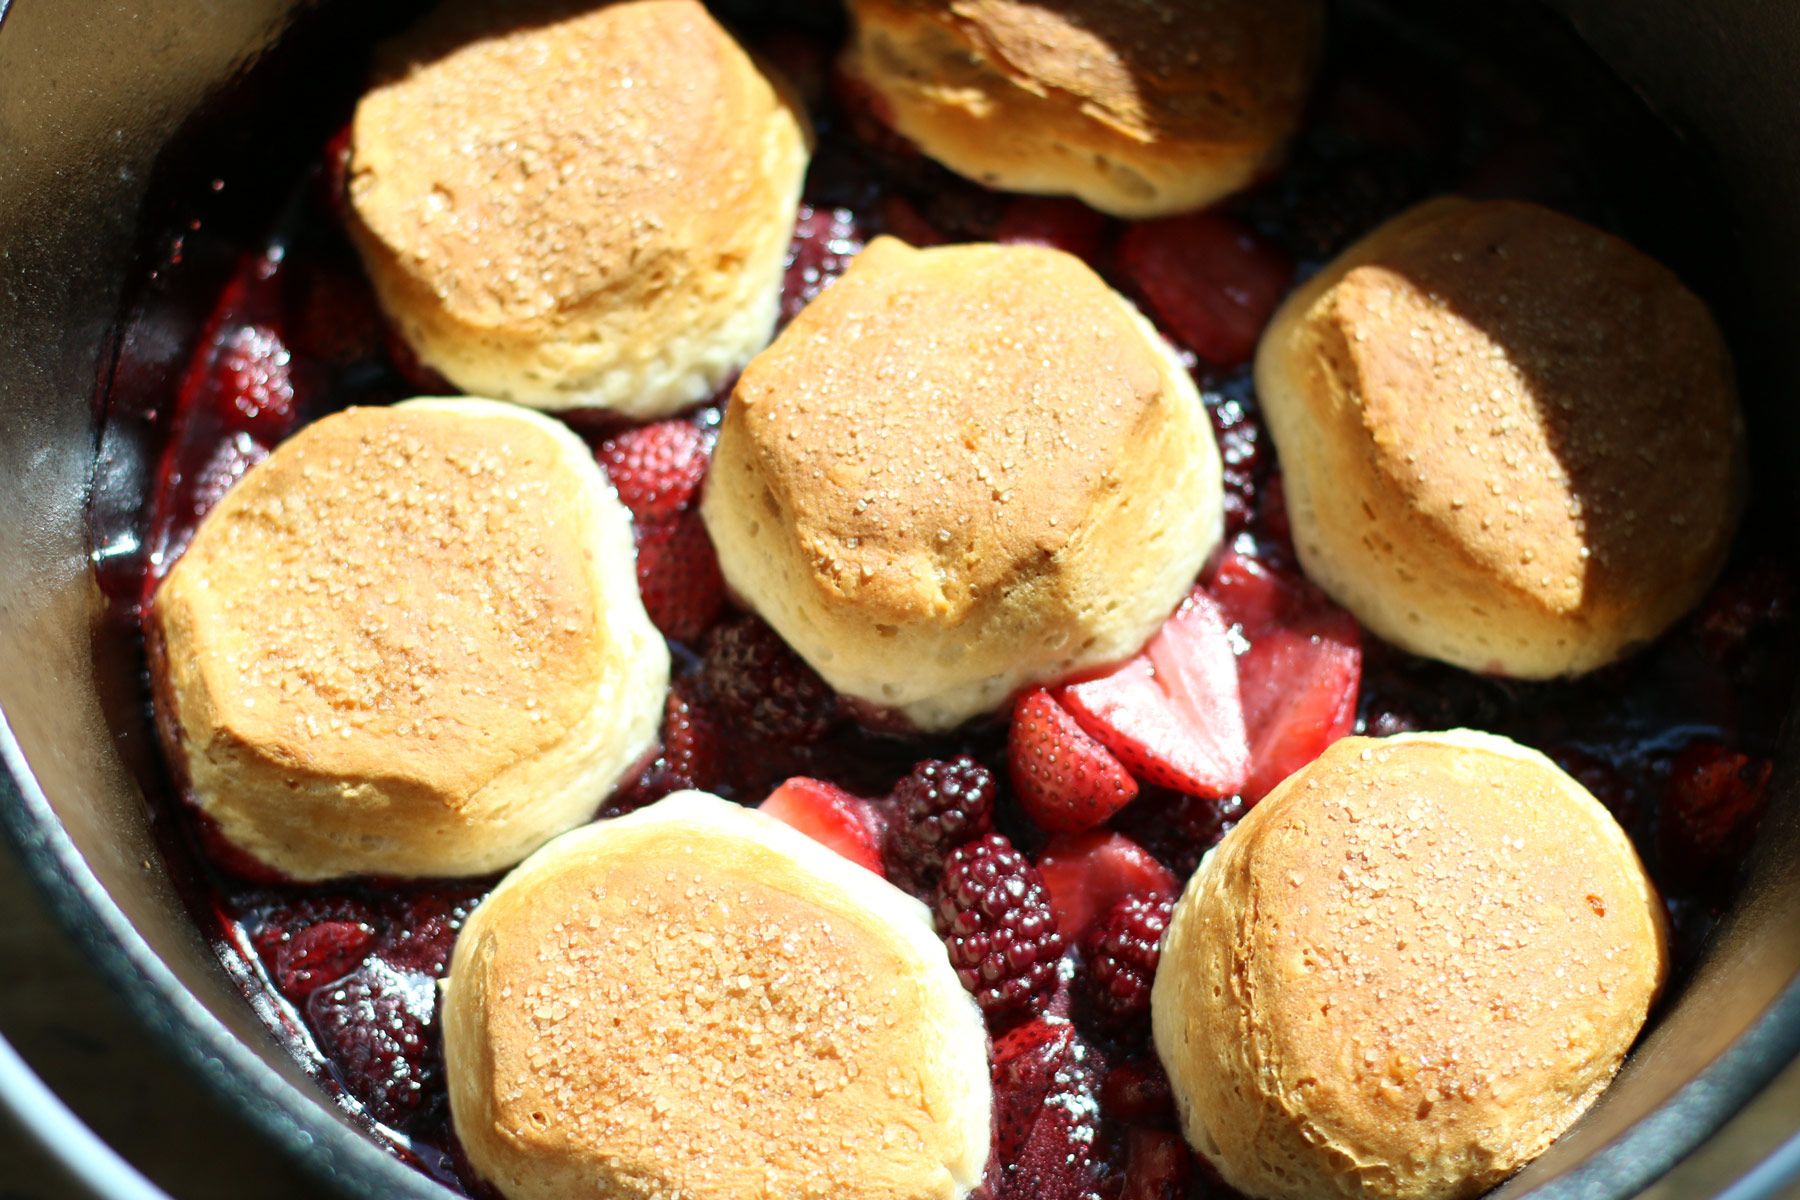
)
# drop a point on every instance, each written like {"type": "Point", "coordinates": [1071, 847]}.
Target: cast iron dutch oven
{"type": "Point", "coordinates": [94, 101]}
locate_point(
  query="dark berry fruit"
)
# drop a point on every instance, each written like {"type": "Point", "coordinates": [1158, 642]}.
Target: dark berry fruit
{"type": "Point", "coordinates": [1122, 952]}
{"type": "Point", "coordinates": [1709, 815]}
{"type": "Point", "coordinates": [425, 929]}
{"type": "Point", "coordinates": [1157, 1166]}
{"type": "Point", "coordinates": [229, 462]}
{"type": "Point", "coordinates": [937, 807]}
{"type": "Point", "coordinates": [255, 385]}
{"type": "Point", "coordinates": [655, 468]}
{"type": "Point", "coordinates": [762, 688]}
{"type": "Point", "coordinates": [994, 915]}
{"type": "Point", "coordinates": [373, 1026]}
{"type": "Point", "coordinates": [1240, 448]}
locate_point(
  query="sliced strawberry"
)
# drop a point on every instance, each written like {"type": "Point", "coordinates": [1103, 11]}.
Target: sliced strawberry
{"type": "Point", "coordinates": [1172, 714]}
{"type": "Point", "coordinates": [1197, 666]}
{"type": "Point", "coordinates": [829, 815]}
{"type": "Point", "coordinates": [1300, 683]}
{"type": "Point", "coordinates": [1066, 781]}
{"type": "Point", "coordinates": [1212, 283]}
{"type": "Point", "coordinates": [1053, 221]}
{"type": "Point", "coordinates": [1252, 595]}
{"type": "Point", "coordinates": [678, 575]}
{"type": "Point", "coordinates": [656, 468]}
{"type": "Point", "coordinates": [1087, 873]}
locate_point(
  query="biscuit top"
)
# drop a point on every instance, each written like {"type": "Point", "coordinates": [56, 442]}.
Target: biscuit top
{"type": "Point", "coordinates": [531, 168]}
{"type": "Point", "coordinates": [1225, 70]}
{"type": "Point", "coordinates": [396, 594]}
{"type": "Point", "coordinates": [680, 995]}
{"type": "Point", "coordinates": [1443, 922]}
{"type": "Point", "coordinates": [1552, 400]}
{"type": "Point", "coordinates": [937, 417]}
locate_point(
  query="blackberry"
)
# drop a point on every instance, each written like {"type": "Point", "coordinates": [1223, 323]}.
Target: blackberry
{"type": "Point", "coordinates": [994, 915]}
{"type": "Point", "coordinates": [937, 807]}
{"type": "Point", "coordinates": [1122, 953]}
{"type": "Point", "coordinates": [762, 687]}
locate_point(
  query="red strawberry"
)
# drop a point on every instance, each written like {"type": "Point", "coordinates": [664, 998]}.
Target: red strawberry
{"type": "Point", "coordinates": [656, 468]}
{"type": "Point", "coordinates": [678, 575]}
{"type": "Point", "coordinates": [1088, 873]}
{"type": "Point", "coordinates": [1210, 282]}
{"type": "Point", "coordinates": [1300, 676]}
{"type": "Point", "coordinates": [1709, 814]}
{"type": "Point", "coordinates": [1054, 221]}
{"type": "Point", "coordinates": [1300, 685]}
{"type": "Point", "coordinates": [1026, 1057]}
{"type": "Point", "coordinates": [1172, 714]}
{"type": "Point", "coordinates": [829, 815]}
{"type": "Point", "coordinates": [1056, 1161]}
{"type": "Point", "coordinates": [1066, 781]}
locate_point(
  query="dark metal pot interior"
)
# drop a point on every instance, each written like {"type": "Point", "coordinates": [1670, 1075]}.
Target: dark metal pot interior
{"type": "Point", "coordinates": [88, 110]}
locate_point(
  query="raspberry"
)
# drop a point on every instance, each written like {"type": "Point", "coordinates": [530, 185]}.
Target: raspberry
{"type": "Point", "coordinates": [655, 468]}
{"type": "Point", "coordinates": [1122, 952]}
{"type": "Point", "coordinates": [994, 915]}
{"type": "Point", "coordinates": [255, 384]}
{"type": "Point", "coordinates": [373, 1025]}
{"type": "Point", "coordinates": [763, 686]}
{"type": "Point", "coordinates": [937, 807]}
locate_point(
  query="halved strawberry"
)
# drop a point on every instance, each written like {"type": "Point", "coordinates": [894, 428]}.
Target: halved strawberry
{"type": "Point", "coordinates": [1087, 873]}
{"type": "Point", "coordinates": [1212, 283]}
{"type": "Point", "coordinates": [1172, 714]}
{"type": "Point", "coordinates": [1026, 1058]}
{"type": "Point", "coordinates": [1300, 683]}
{"type": "Point", "coordinates": [1301, 673]}
{"type": "Point", "coordinates": [656, 468]}
{"type": "Point", "coordinates": [1046, 1082]}
{"type": "Point", "coordinates": [828, 814]}
{"type": "Point", "coordinates": [1066, 781]}
{"type": "Point", "coordinates": [678, 575]}
{"type": "Point", "coordinates": [1054, 221]}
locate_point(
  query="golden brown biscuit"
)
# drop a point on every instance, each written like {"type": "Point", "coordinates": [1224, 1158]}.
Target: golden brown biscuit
{"type": "Point", "coordinates": [961, 471]}
{"type": "Point", "coordinates": [1141, 109]}
{"type": "Point", "coordinates": [1508, 440]}
{"type": "Point", "coordinates": [697, 1000]}
{"type": "Point", "coordinates": [408, 643]}
{"type": "Point", "coordinates": [1408, 970]}
{"type": "Point", "coordinates": [576, 207]}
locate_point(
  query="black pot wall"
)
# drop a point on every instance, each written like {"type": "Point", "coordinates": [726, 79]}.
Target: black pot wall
{"type": "Point", "coordinates": [87, 109]}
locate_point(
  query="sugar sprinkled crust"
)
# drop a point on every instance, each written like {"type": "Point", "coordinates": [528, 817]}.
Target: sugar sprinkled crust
{"type": "Point", "coordinates": [697, 1000]}
{"type": "Point", "coordinates": [1405, 972]}
{"type": "Point", "coordinates": [1141, 109]}
{"type": "Point", "coordinates": [1508, 440]}
{"type": "Point", "coordinates": [961, 471]}
{"type": "Point", "coordinates": [408, 643]}
{"type": "Point", "coordinates": [576, 206]}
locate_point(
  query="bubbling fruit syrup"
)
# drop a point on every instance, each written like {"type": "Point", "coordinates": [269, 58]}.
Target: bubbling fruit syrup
{"type": "Point", "coordinates": [255, 319]}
